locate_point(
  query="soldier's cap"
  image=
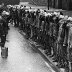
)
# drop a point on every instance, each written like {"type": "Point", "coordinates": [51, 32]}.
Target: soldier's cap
{"type": "Point", "coordinates": [61, 16]}
{"type": "Point", "coordinates": [55, 13]}
{"type": "Point", "coordinates": [70, 18]}
{"type": "Point", "coordinates": [5, 13]}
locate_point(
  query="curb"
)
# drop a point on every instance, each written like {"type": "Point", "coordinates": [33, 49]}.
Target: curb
{"type": "Point", "coordinates": [56, 69]}
{"type": "Point", "coordinates": [37, 48]}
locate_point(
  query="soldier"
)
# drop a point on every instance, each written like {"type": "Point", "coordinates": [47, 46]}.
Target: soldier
{"type": "Point", "coordinates": [14, 16]}
{"type": "Point", "coordinates": [2, 33]}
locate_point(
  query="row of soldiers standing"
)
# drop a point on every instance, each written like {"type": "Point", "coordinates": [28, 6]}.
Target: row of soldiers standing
{"type": "Point", "coordinates": [52, 30]}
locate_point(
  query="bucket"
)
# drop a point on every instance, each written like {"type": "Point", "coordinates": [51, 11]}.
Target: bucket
{"type": "Point", "coordinates": [4, 52]}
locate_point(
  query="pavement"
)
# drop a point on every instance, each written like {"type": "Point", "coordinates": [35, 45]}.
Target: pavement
{"type": "Point", "coordinates": [22, 56]}
{"type": "Point", "coordinates": [47, 59]}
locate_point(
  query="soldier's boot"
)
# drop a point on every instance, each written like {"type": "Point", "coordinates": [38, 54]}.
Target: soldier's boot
{"type": "Point", "coordinates": [55, 55]}
{"type": "Point", "coordinates": [52, 55]}
{"type": "Point", "coordinates": [67, 66]}
{"type": "Point", "coordinates": [21, 26]}
{"type": "Point", "coordinates": [60, 63]}
{"type": "Point", "coordinates": [38, 39]}
{"type": "Point", "coordinates": [17, 23]}
{"type": "Point", "coordinates": [56, 58]}
{"type": "Point", "coordinates": [49, 51]}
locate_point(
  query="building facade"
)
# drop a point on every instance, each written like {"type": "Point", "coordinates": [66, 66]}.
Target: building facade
{"type": "Point", "coordinates": [62, 4]}
{"type": "Point", "coordinates": [12, 2]}
{"type": "Point", "coordinates": [59, 4]}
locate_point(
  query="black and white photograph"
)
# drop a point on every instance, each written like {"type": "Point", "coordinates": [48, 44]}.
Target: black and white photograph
{"type": "Point", "coordinates": [35, 35]}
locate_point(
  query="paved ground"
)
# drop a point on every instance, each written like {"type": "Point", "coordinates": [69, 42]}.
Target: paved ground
{"type": "Point", "coordinates": [22, 57]}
